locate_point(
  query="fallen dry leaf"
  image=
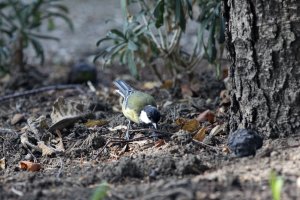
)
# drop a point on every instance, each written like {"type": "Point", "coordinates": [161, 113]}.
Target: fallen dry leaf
{"type": "Point", "coordinates": [225, 73]}
{"type": "Point", "coordinates": [59, 146]}
{"type": "Point", "coordinates": [42, 122]}
{"type": "Point", "coordinates": [217, 130]}
{"type": "Point", "coordinates": [207, 115]}
{"type": "Point", "coordinates": [167, 84]}
{"type": "Point", "coordinates": [117, 128]}
{"type": "Point", "coordinates": [189, 125]}
{"type": "Point", "coordinates": [25, 142]}
{"type": "Point", "coordinates": [30, 166]}
{"type": "Point", "coordinates": [17, 118]}
{"type": "Point", "coordinates": [141, 143]}
{"type": "Point", "coordinates": [65, 113]}
{"type": "Point", "coordinates": [180, 121]}
{"type": "Point", "coordinates": [159, 143]}
{"type": "Point", "coordinates": [151, 84]}
{"type": "Point", "coordinates": [3, 163]}
{"type": "Point", "coordinates": [62, 108]}
{"type": "Point", "coordinates": [200, 135]}
{"type": "Point", "coordinates": [92, 123]}
{"type": "Point", "coordinates": [37, 126]}
{"type": "Point", "coordinates": [46, 151]}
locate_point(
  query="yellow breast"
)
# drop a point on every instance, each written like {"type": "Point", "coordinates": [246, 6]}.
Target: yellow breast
{"type": "Point", "coordinates": [131, 114]}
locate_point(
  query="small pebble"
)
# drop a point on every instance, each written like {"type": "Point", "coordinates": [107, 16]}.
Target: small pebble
{"type": "Point", "coordinates": [28, 157]}
{"type": "Point", "coordinates": [244, 142]}
{"type": "Point", "coordinates": [274, 154]}
{"type": "Point", "coordinates": [81, 72]}
{"type": "Point", "coordinates": [17, 118]}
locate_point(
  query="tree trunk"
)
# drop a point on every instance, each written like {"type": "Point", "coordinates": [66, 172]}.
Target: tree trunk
{"type": "Point", "coordinates": [263, 41]}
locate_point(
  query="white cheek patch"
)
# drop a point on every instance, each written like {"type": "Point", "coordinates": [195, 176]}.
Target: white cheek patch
{"type": "Point", "coordinates": [144, 118]}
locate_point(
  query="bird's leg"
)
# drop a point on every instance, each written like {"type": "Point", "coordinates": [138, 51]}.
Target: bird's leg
{"type": "Point", "coordinates": [127, 136]}
{"type": "Point", "coordinates": [154, 135]}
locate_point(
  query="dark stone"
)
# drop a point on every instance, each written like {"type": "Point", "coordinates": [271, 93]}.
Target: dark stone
{"type": "Point", "coordinates": [244, 142]}
{"type": "Point", "coordinates": [81, 72]}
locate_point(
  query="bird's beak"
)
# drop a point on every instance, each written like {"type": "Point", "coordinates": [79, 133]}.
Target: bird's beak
{"type": "Point", "coordinates": [155, 125]}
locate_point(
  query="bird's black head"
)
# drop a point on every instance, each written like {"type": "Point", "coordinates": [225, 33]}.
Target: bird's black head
{"type": "Point", "coordinates": [150, 114]}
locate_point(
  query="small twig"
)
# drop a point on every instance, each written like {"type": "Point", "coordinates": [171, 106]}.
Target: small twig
{"type": "Point", "coordinates": [148, 129]}
{"type": "Point", "coordinates": [123, 140]}
{"type": "Point", "coordinates": [38, 90]}
{"type": "Point", "coordinates": [206, 145]}
{"type": "Point", "coordinates": [17, 192]}
{"type": "Point", "coordinates": [102, 149]}
{"type": "Point", "coordinates": [27, 143]}
{"type": "Point", "coordinates": [119, 140]}
{"type": "Point", "coordinates": [33, 156]}
{"type": "Point", "coordinates": [58, 175]}
{"type": "Point", "coordinates": [7, 131]}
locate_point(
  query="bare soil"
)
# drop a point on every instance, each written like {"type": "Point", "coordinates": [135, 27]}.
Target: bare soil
{"type": "Point", "coordinates": [175, 167]}
{"type": "Point", "coordinates": [171, 165]}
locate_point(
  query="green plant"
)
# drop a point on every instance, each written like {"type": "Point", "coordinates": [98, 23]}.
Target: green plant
{"type": "Point", "coordinates": [20, 22]}
{"type": "Point", "coordinates": [276, 184]}
{"type": "Point", "coordinates": [101, 192]}
{"type": "Point", "coordinates": [155, 31]}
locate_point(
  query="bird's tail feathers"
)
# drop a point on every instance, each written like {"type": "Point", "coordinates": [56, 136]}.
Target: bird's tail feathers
{"type": "Point", "coordinates": [123, 88]}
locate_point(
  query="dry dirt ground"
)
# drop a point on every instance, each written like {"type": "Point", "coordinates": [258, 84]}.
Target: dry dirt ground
{"type": "Point", "coordinates": [170, 166]}
{"type": "Point", "coordinates": [167, 164]}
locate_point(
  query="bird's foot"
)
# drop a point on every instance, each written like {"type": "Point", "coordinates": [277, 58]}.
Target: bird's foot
{"type": "Point", "coordinates": [127, 135]}
{"type": "Point", "coordinates": [154, 135]}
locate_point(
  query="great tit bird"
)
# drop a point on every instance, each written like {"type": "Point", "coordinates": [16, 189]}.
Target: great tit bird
{"type": "Point", "coordinates": [138, 107]}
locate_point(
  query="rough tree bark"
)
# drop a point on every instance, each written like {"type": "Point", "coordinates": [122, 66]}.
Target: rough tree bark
{"type": "Point", "coordinates": [263, 40]}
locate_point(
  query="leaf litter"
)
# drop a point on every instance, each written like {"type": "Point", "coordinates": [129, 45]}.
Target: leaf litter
{"type": "Point", "coordinates": [83, 139]}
